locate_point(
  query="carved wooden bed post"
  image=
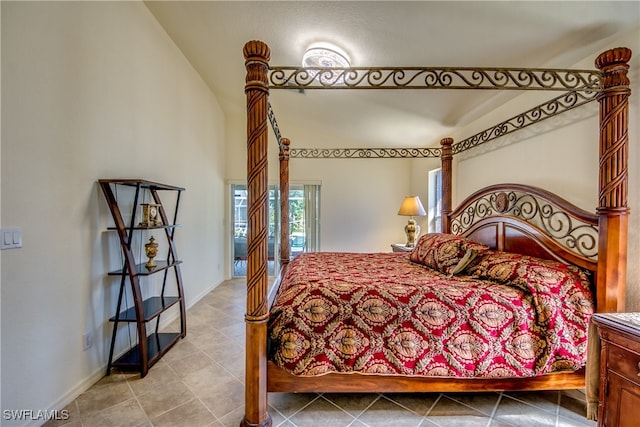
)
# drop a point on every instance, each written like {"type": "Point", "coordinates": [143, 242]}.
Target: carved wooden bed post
{"type": "Point", "coordinates": [613, 187]}
{"type": "Point", "coordinates": [285, 250]}
{"type": "Point", "coordinates": [447, 170]}
{"type": "Point", "coordinates": [257, 55]}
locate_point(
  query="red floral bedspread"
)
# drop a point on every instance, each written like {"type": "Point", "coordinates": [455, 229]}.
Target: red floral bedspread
{"type": "Point", "coordinates": [383, 314]}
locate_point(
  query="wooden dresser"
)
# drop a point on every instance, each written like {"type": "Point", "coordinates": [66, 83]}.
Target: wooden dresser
{"type": "Point", "coordinates": [619, 369]}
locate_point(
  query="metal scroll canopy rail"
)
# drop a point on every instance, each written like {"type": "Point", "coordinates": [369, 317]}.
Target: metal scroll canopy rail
{"type": "Point", "coordinates": [579, 87]}
{"type": "Point", "coordinates": [434, 78]}
{"type": "Point", "coordinates": [551, 108]}
{"type": "Point", "coordinates": [347, 153]}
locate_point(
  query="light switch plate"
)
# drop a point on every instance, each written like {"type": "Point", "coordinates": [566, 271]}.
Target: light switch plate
{"type": "Point", "coordinates": [11, 238]}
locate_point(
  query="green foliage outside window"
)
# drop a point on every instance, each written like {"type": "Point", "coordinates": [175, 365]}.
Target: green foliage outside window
{"type": "Point", "coordinates": [296, 213]}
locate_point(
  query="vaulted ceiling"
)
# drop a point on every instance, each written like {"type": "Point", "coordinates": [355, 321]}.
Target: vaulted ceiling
{"type": "Point", "coordinates": [549, 34]}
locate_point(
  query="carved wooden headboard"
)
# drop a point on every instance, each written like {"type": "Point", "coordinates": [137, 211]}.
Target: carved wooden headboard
{"type": "Point", "coordinates": [528, 220]}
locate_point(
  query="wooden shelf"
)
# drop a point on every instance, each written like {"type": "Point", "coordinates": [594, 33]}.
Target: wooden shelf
{"type": "Point", "coordinates": [141, 183]}
{"type": "Point", "coordinates": [154, 227]}
{"type": "Point", "coordinates": [151, 307]}
{"type": "Point", "coordinates": [157, 346]}
{"type": "Point", "coordinates": [141, 270]}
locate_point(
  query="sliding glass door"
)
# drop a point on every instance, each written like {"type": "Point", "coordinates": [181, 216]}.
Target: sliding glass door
{"type": "Point", "coordinates": [304, 218]}
{"type": "Point", "coordinates": [304, 208]}
{"type": "Point", "coordinates": [240, 224]}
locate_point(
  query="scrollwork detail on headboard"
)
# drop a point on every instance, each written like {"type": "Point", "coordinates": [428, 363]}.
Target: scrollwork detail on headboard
{"type": "Point", "coordinates": [577, 235]}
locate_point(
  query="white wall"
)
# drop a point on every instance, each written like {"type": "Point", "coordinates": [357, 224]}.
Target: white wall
{"type": "Point", "coordinates": [560, 155]}
{"type": "Point", "coordinates": [92, 90]}
{"type": "Point", "coordinates": [359, 201]}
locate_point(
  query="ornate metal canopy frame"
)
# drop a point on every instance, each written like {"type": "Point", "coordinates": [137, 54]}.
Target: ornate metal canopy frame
{"type": "Point", "coordinates": [580, 86]}
{"type": "Point", "coordinates": [551, 108]}
{"type": "Point", "coordinates": [433, 78]}
{"type": "Point", "coordinates": [364, 153]}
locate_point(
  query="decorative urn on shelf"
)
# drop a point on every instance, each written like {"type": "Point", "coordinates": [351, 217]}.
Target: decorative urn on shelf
{"type": "Point", "coordinates": [151, 249]}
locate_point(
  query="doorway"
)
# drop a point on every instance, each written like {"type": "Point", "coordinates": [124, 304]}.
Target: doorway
{"type": "Point", "coordinates": [304, 216]}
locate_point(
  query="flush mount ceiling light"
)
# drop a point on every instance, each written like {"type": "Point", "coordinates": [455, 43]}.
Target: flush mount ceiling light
{"type": "Point", "coordinates": [325, 55]}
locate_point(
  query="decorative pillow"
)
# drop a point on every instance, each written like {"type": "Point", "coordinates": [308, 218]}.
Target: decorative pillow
{"type": "Point", "coordinates": [447, 253]}
{"type": "Point", "coordinates": [507, 267]}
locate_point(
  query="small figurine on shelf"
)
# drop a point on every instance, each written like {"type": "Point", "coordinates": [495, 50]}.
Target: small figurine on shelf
{"type": "Point", "coordinates": [150, 215]}
{"type": "Point", "coordinates": [151, 249]}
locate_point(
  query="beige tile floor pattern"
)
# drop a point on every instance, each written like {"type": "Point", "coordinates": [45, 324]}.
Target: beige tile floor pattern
{"type": "Point", "coordinates": [200, 383]}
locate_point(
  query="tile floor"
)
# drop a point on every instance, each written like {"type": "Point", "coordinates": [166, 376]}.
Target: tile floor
{"type": "Point", "coordinates": [200, 383]}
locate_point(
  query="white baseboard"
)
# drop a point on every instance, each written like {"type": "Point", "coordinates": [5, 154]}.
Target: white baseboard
{"type": "Point", "coordinates": [73, 393]}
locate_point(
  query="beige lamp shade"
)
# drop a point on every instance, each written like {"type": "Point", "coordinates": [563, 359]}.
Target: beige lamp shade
{"type": "Point", "coordinates": [411, 206]}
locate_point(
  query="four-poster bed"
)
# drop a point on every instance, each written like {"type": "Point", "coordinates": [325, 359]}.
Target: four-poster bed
{"type": "Point", "coordinates": [512, 218]}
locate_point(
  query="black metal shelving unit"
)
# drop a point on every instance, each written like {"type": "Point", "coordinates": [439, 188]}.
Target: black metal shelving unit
{"type": "Point", "coordinates": [150, 347]}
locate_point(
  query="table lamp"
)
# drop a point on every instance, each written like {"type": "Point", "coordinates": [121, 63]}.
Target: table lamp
{"type": "Point", "coordinates": [411, 206]}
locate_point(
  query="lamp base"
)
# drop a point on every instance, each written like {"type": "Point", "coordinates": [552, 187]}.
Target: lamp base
{"type": "Point", "coordinates": [412, 230]}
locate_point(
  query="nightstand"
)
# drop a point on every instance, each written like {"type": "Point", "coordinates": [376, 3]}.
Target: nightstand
{"type": "Point", "coordinates": [400, 247]}
{"type": "Point", "coordinates": [619, 368]}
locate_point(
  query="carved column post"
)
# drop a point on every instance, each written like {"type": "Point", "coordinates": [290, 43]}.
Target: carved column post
{"type": "Point", "coordinates": [613, 185]}
{"type": "Point", "coordinates": [285, 248]}
{"type": "Point", "coordinates": [256, 54]}
{"type": "Point", "coordinates": [446, 158]}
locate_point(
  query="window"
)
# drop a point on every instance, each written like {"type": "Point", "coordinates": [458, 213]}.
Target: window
{"type": "Point", "coordinates": [434, 214]}
{"type": "Point", "coordinates": [297, 216]}
{"type": "Point", "coordinates": [305, 225]}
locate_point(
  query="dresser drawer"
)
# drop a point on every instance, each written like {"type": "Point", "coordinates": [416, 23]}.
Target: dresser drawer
{"type": "Point", "coordinates": [624, 362]}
